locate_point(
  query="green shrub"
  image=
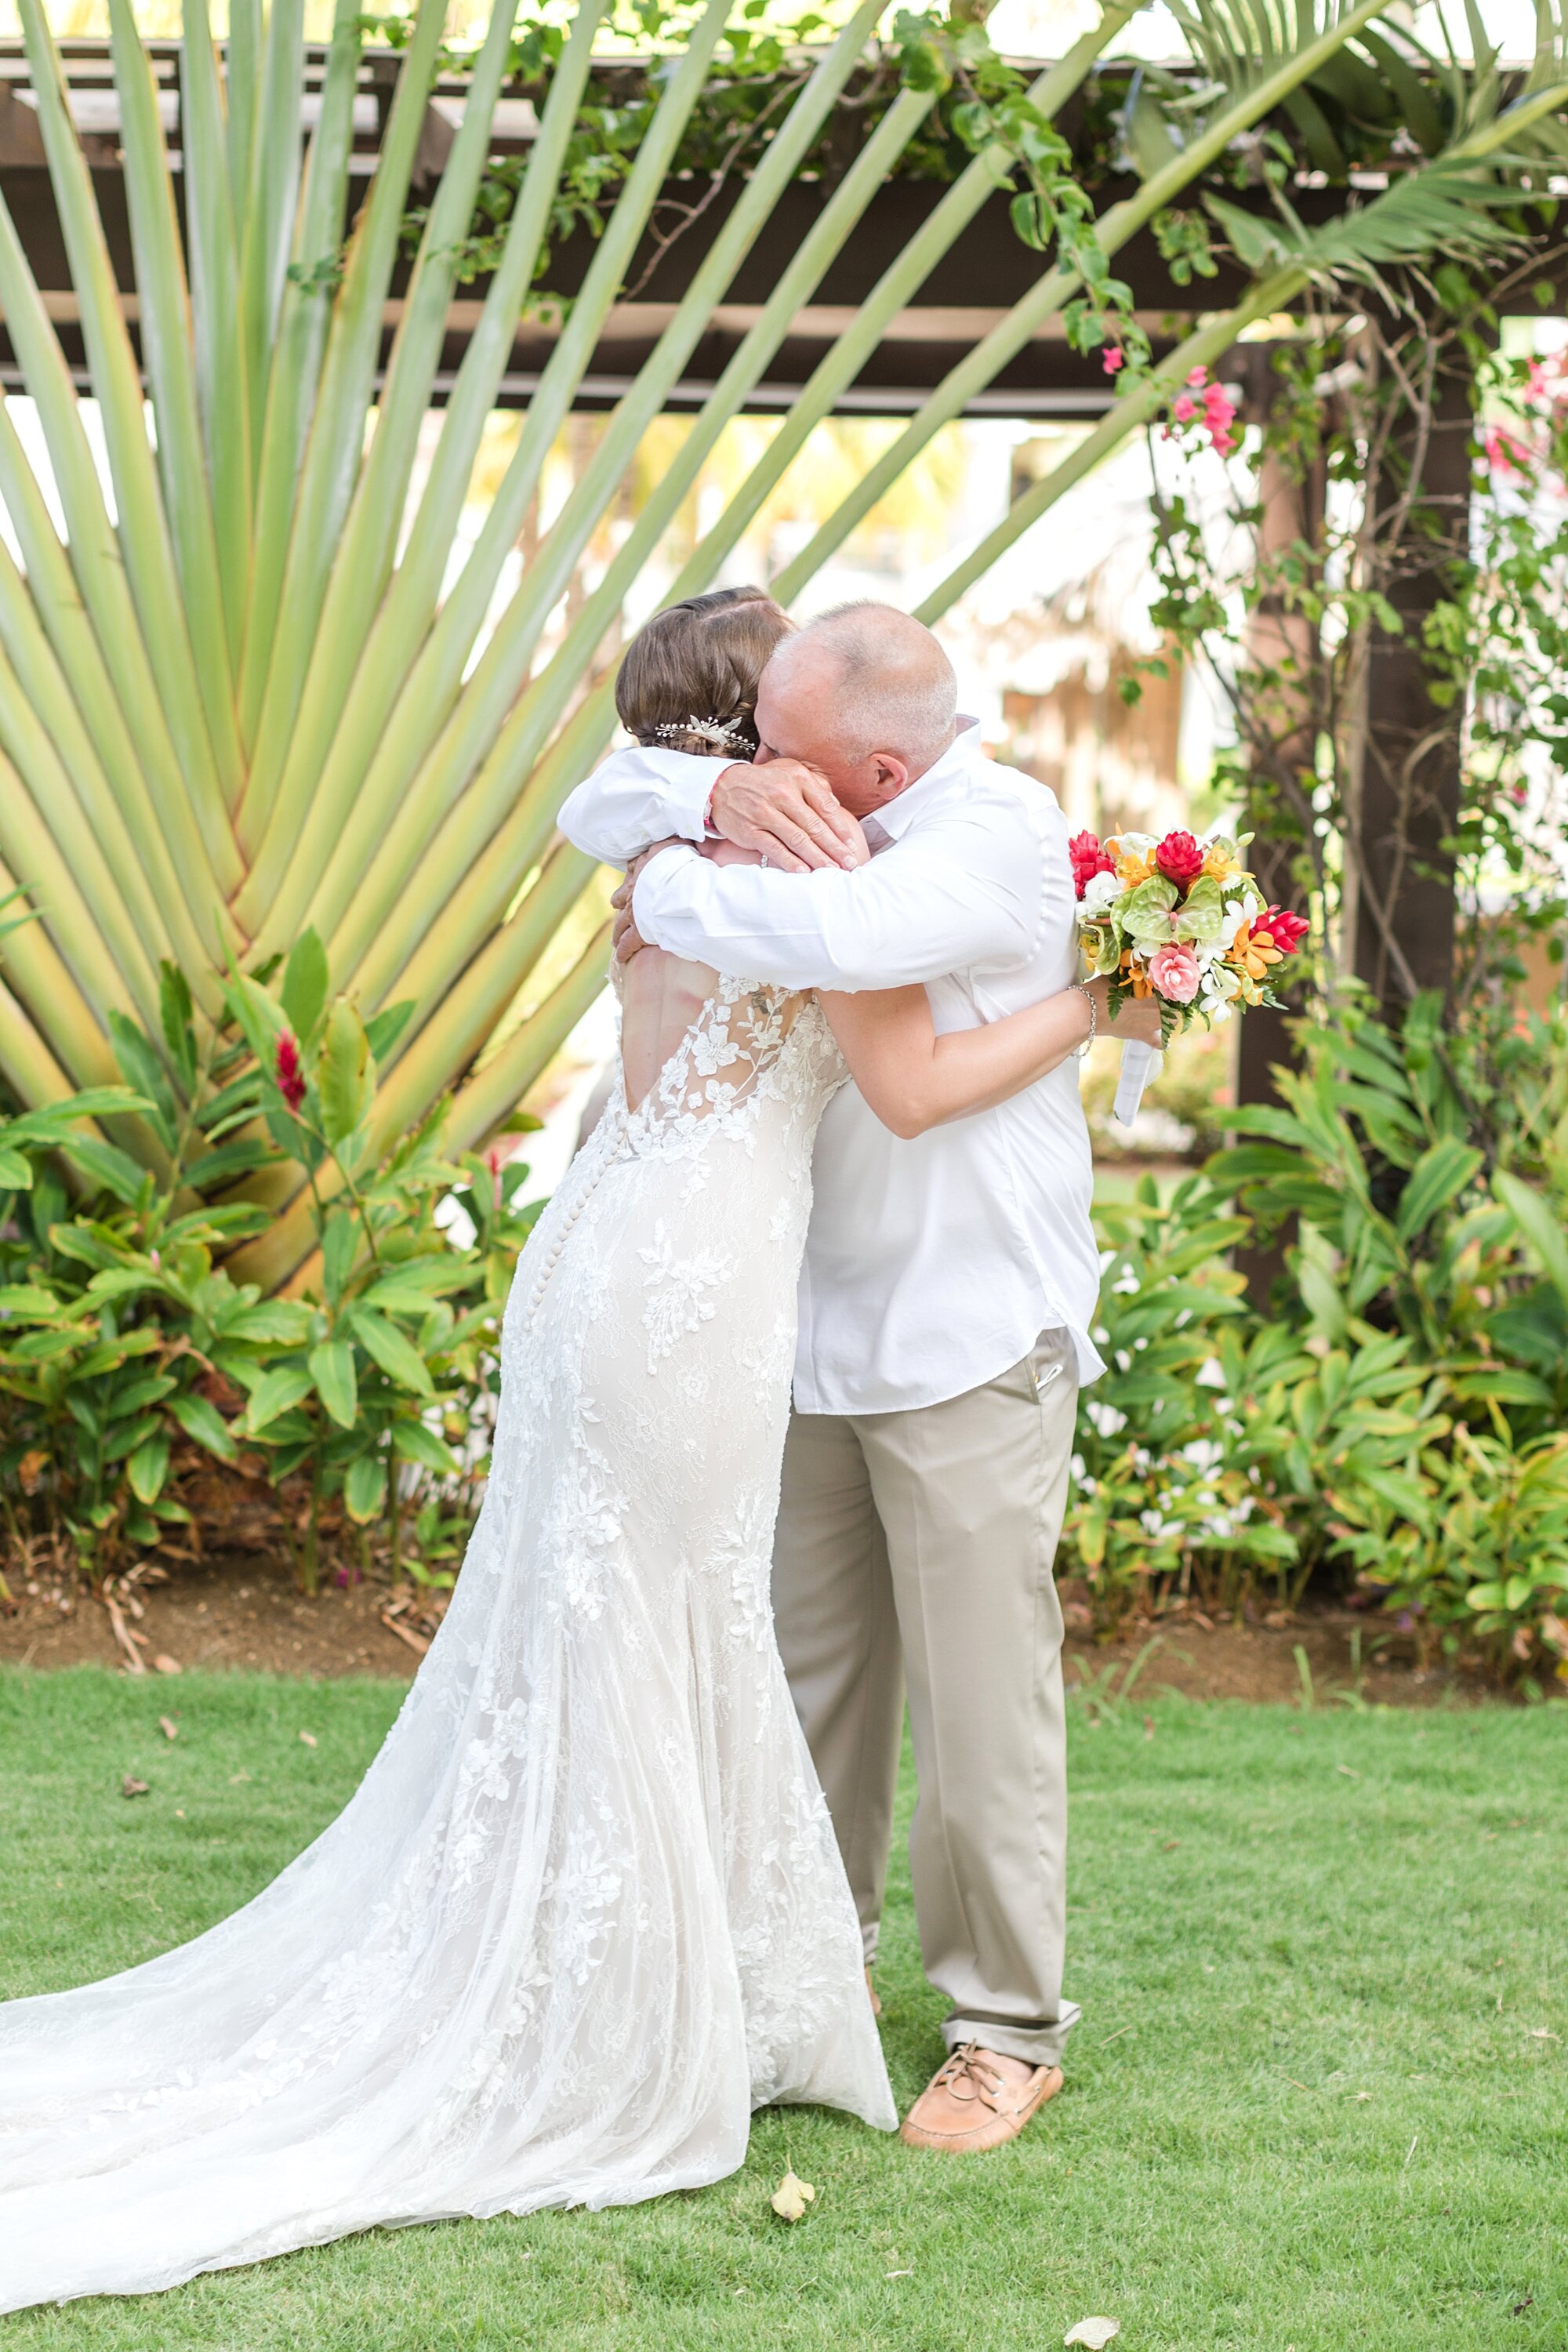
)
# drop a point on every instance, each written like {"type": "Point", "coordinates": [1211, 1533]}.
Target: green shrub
{"type": "Point", "coordinates": [129, 1356]}
{"type": "Point", "coordinates": [1395, 1423]}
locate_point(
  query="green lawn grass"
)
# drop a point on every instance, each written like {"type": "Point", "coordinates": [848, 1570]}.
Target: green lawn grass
{"type": "Point", "coordinates": [1311, 2103]}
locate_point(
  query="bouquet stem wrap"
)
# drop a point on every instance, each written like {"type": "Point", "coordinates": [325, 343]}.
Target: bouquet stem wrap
{"type": "Point", "coordinates": [1138, 1067]}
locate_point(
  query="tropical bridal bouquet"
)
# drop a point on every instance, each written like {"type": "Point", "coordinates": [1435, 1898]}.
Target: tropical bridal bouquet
{"type": "Point", "coordinates": [1180, 921]}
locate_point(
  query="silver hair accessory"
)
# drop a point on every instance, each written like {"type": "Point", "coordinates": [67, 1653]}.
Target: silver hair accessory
{"type": "Point", "coordinates": [708, 730]}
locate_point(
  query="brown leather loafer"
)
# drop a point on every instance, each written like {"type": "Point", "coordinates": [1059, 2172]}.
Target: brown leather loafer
{"type": "Point", "coordinates": [970, 2105]}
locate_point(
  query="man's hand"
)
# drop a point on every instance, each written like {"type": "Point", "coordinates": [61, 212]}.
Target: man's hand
{"type": "Point", "coordinates": [627, 940]}
{"type": "Point", "coordinates": [789, 813]}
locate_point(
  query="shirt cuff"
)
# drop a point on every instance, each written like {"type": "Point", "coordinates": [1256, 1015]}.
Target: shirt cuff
{"type": "Point", "coordinates": [649, 890]}
{"type": "Point", "coordinates": [690, 789]}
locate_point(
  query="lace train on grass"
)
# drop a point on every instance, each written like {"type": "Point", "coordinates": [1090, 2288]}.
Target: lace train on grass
{"type": "Point", "coordinates": [585, 1910]}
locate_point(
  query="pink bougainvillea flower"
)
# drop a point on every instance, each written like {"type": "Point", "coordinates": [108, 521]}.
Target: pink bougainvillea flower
{"type": "Point", "coordinates": [1199, 378]}
{"type": "Point", "coordinates": [1503, 452]}
{"type": "Point", "coordinates": [1175, 972]}
{"type": "Point", "coordinates": [1115, 359]}
{"type": "Point", "coordinates": [1088, 860]}
{"type": "Point", "coordinates": [1179, 859]}
{"type": "Point", "coordinates": [289, 1071]}
{"type": "Point", "coordinates": [1184, 408]}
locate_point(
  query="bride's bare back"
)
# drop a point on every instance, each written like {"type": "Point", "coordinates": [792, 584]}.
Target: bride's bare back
{"type": "Point", "coordinates": [663, 994]}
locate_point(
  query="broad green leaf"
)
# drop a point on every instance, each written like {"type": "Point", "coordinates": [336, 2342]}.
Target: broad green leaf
{"type": "Point", "coordinates": [343, 1073]}
{"type": "Point", "coordinates": [409, 1289]}
{"type": "Point", "coordinates": [16, 1171]}
{"type": "Point", "coordinates": [384, 1029]}
{"type": "Point", "coordinates": [415, 1442]}
{"type": "Point", "coordinates": [200, 1419]}
{"type": "Point", "coordinates": [1439, 1174]}
{"type": "Point", "coordinates": [333, 1369]}
{"type": "Point", "coordinates": [152, 1388]}
{"type": "Point", "coordinates": [125, 1439]}
{"type": "Point", "coordinates": [26, 1301]}
{"type": "Point", "coordinates": [107, 1165]}
{"type": "Point", "coordinates": [399, 1358]}
{"type": "Point", "coordinates": [364, 1488]}
{"type": "Point", "coordinates": [1508, 1385]}
{"type": "Point", "coordinates": [305, 984]}
{"type": "Point", "coordinates": [149, 1466]}
{"type": "Point", "coordinates": [276, 1391]}
{"type": "Point", "coordinates": [174, 1017]}
{"type": "Point", "coordinates": [339, 1245]}
{"type": "Point", "coordinates": [143, 1069]}
{"type": "Point", "coordinates": [1539, 1223]}
{"type": "Point", "coordinates": [279, 1320]}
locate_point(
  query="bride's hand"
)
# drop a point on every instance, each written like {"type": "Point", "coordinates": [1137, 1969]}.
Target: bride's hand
{"type": "Point", "coordinates": [1138, 1019]}
{"type": "Point", "coordinates": [626, 941]}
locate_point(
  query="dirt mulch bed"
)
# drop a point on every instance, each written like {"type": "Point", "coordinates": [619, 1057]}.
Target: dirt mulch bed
{"type": "Point", "coordinates": [244, 1610]}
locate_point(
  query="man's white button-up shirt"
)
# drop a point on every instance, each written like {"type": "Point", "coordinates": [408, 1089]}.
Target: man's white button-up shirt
{"type": "Point", "coordinates": [933, 1265]}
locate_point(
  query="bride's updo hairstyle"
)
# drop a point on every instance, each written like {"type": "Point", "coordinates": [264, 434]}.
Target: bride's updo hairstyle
{"type": "Point", "coordinates": [689, 680]}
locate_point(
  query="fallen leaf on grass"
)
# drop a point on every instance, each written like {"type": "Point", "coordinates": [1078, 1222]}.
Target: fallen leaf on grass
{"type": "Point", "coordinates": [1520, 2308]}
{"type": "Point", "coordinates": [165, 1664]}
{"type": "Point", "coordinates": [131, 1788]}
{"type": "Point", "coordinates": [168, 1727]}
{"type": "Point", "coordinates": [791, 2198]}
{"type": "Point", "coordinates": [1093, 2332]}
{"type": "Point", "coordinates": [308, 1738]}
{"type": "Point", "coordinates": [1543, 2034]}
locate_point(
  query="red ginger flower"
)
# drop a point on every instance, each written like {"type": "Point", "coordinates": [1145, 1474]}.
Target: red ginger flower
{"type": "Point", "coordinates": [1285, 930]}
{"type": "Point", "coordinates": [1180, 859]}
{"type": "Point", "coordinates": [289, 1071]}
{"type": "Point", "coordinates": [1088, 860]}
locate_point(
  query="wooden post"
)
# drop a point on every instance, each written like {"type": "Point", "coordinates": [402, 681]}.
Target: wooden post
{"type": "Point", "coordinates": [1291, 509]}
{"type": "Point", "coordinates": [1399, 919]}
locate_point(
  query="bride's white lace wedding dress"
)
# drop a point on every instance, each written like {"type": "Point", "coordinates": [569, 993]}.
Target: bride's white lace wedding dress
{"type": "Point", "coordinates": [585, 1910]}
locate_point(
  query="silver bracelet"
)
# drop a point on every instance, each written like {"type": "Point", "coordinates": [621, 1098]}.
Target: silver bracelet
{"type": "Point", "coordinates": [1083, 989]}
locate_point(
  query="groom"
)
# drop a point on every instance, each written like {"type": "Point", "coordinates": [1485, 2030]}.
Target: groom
{"type": "Point", "coordinates": [946, 1297]}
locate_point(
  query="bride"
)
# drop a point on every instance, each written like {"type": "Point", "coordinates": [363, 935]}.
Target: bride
{"type": "Point", "coordinates": [585, 1910]}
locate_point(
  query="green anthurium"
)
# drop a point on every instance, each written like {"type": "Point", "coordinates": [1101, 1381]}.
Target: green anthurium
{"type": "Point", "coordinates": [1144, 916]}
{"type": "Point", "coordinates": [1200, 912]}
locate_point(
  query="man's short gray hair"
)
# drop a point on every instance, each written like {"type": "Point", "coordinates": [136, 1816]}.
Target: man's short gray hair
{"type": "Point", "coordinates": [895, 688]}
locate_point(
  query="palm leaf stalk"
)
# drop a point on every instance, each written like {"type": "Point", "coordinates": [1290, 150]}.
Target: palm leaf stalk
{"type": "Point", "coordinates": [437, 824]}
{"type": "Point", "coordinates": [199, 712]}
{"type": "Point", "coordinates": [229, 705]}
{"type": "Point", "coordinates": [548, 577]}
{"type": "Point", "coordinates": [325, 844]}
{"type": "Point", "coordinates": [496, 860]}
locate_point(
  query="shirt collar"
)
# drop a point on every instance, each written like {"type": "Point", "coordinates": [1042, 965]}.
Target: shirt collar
{"type": "Point", "coordinates": [895, 816]}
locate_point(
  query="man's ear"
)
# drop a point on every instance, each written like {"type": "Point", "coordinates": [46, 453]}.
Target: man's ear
{"type": "Point", "coordinates": [891, 774]}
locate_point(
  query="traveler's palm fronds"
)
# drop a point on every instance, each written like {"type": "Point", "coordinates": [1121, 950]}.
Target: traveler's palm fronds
{"type": "Point", "coordinates": [248, 694]}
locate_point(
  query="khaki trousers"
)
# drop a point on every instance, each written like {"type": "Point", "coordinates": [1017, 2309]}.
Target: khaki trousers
{"type": "Point", "coordinates": [917, 1548]}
